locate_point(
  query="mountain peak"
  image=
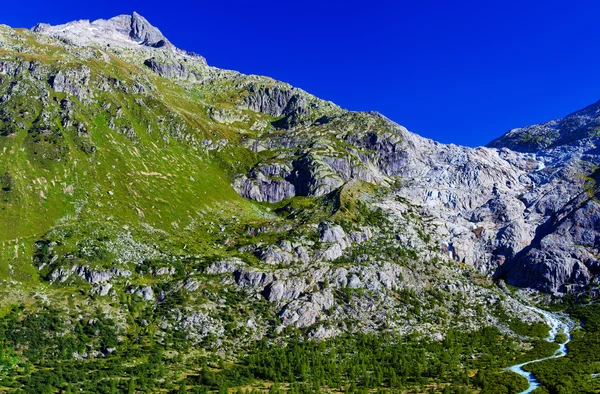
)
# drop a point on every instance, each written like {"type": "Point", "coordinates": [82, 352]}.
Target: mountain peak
{"type": "Point", "coordinates": [131, 29]}
{"type": "Point", "coordinates": [143, 32]}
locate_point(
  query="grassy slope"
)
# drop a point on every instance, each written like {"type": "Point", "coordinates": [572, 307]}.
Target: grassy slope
{"type": "Point", "coordinates": [149, 177]}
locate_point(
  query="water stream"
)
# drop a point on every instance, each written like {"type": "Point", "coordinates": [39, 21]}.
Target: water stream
{"type": "Point", "coordinates": [558, 324]}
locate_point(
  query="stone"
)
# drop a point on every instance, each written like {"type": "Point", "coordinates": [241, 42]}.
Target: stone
{"type": "Point", "coordinates": [252, 278]}
{"type": "Point", "coordinates": [285, 290]}
{"type": "Point", "coordinates": [224, 266]}
{"type": "Point", "coordinates": [72, 81]}
{"type": "Point", "coordinates": [145, 292]}
{"type": "Point", "coordinates": [191, 285]}
{"type": "Point", "coordinates": [104, 289]}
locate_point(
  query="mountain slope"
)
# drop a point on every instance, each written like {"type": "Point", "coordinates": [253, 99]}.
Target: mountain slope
{"type": "Point", "coordinates": [574, 129]}
{"type": "Point", "coordinates": [205, 216]}
{"type": "Point", "coordinates": [139, 170]}
{"type": "Point", "coordinates": [563, 255]}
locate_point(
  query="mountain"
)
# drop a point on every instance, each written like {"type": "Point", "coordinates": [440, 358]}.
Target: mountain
{"type": "Point", "coordinates": [578, 128]}
{"type": "Point", "coordinates": [170, 225]}
{"type": "Point", "coordinates": [562, 256]}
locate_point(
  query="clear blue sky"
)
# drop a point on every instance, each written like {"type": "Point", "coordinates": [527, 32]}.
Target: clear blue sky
{"type": "Point", "coordinates": [456, 71]}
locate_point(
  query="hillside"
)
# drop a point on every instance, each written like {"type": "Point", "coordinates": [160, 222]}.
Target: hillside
{"type": "Point", "coordinates": [168, 225]}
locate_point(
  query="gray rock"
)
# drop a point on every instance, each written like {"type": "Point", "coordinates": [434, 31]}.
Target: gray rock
{"type": "Point", "coordinates": [72, 81]}
{"type": "Point", "coordinates": [361, 236]}
{"type": "Point", "coordinates": [285, 290]}
{"type": "Point", "coordinates": [252, 278]}
{"type": "Point", "coordinates": [224, 266]}
{"type": "Point", "coordinates": [288, 103]}
{"type": "Point", "coordinates": [274, 255]}
{"type": "Point", "coordinates": [168, 70]}
{"type": "Point", "coordinates": [164, 271]}
{"type": "Point", "coordinates": [305, 313]}
{"type": "Point", "coordinates": [191, 285]}
{"type": "Point", "coordinates": [94, 277]}
{"type": "Point", "coordinates": [144, 292]}
{"type": "Point", "coordinates": [104, 289]}
{"type": "Point", "coordinates": [564, 251]}
{"type": "Point", "coordinates": [199, 325]}
{"type": "Point", "coordinates": [355, 282]}
{"type": "Point", "coordinates": [334, 234]}
{"type": "Point", "coordinates": [262, 188]}
{"type": "Point", "coordinates": [123, 31]}
{"type": "Point", "coordinates": [331, 253]}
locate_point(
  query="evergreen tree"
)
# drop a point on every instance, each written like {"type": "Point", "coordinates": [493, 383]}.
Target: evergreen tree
{"type": "Point", "coordinates": [131, 386]}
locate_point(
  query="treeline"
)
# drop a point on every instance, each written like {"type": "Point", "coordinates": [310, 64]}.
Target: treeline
{"type": "Point", "coordinates": [378, 361]}
{"type": "Point", "coordinates": [364, 363]}
{"type": "Point", "coordinates": [42, 350]}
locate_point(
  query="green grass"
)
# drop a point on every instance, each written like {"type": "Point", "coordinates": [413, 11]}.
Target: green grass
{"type": "Point", "coordinates": [156, 175]}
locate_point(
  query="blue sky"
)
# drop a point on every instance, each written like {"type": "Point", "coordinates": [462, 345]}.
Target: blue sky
{"type": "Point", "coordinates": [455, 71]}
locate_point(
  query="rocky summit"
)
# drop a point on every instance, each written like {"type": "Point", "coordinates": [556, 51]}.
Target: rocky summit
{"type": "Point", "coordinates": [168, 225]}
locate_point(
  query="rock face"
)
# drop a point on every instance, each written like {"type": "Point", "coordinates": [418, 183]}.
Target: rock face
{"type": "Point", "coordinates": [497, 207]}
{"type": "Point", "coordinates": [145, 292]}
{"type": "Point", "coordinates": [168, 70]}
{"type": "Point", "coordinates": [133, 28]}
{"type": "Point", "coordinates": [563, 256]}
{"type": "Point", "coordinates": [142, 31]}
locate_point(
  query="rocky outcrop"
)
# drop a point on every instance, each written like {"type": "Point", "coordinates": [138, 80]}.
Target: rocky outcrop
{"type": "Point", "coordinates": [491, 204]}
{"type": "Point", "coordinates": [141, 30]}
{"type": "Point", "coordinates": [264, 188]}
{"type": "Point", "coordinates": [104, 290]}
{"type": "Point", "coordinates": [62, 274]}
{"type": "Point", "coordinates": [224, 266]}
{"type": "Point", "coordinates": [310, 174]}
{"type": "Point", "coordinates": [168, 70]}
{"type": "Point", "coordinates": [132, 27]}
{"type": "Point", "coordinates": [333, 234]}
{"type": "Point", "coordinates": [252, 279]}
{"type": "Point", "coordinates": [72, 81]}
{"type": "Point", "coordinates": [191, 285]}
{"type": "Point", "coordinates": [145, 292]}
{"type": "Point", "coordinates": [276, 101]}
{"type": "Point", "coordinates": [275, 255]}
{"type": "Point", "coordinates": [199, 325]}
{"type": "Point", "coordinates": [305, 313]}
{"type": "Point", "coordinates": [285, 290]}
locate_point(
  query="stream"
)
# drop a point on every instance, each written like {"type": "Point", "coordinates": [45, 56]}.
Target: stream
{"type": "Point", "coordinates": [558, 324]}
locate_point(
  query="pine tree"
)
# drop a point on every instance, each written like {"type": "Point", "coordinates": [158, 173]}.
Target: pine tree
{"type": "Point", "coordinates": [274, 389]}
{"type": "Point", "coordinates": [113, 387]}
{"type": "Point", "coordinates": [131, 387]}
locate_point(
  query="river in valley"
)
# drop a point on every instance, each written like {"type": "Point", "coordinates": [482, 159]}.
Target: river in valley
{"type": "Point", "coordinates": [558, 324]}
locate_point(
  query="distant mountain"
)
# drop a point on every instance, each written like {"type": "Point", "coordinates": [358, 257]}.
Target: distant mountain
{"type": "Point", "coordinates": [573, 129]}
